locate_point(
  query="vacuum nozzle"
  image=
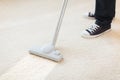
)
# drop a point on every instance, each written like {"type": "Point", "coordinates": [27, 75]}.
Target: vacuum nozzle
{"type": "Point", "coordinates": [47, 51]}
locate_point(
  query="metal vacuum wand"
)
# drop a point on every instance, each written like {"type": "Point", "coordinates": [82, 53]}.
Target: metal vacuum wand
{"type": "Point", "coordinates": [59, 22]}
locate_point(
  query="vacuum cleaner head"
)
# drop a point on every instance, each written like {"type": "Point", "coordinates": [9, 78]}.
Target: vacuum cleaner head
{"type": "Point", "coordinates": [47, 51]}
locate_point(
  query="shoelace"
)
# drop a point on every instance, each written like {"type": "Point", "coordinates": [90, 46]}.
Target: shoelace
{"type": "Point", "coordinates": [93, 28]}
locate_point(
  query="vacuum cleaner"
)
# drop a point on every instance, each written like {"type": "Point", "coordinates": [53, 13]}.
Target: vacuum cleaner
{"type": "Point", "coordinates": [48, 51]}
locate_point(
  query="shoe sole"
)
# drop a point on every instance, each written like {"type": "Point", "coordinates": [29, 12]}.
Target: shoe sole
{"type": "Point", "coordinates": [88, 37]}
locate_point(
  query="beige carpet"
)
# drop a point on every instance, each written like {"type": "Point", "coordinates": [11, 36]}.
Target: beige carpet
{"type": "Point", "coordinates": [84, 59]}
{"type": "Point", "coordinates": [89, 59]}
{"type": "Point", "coordinates": [23, 25]}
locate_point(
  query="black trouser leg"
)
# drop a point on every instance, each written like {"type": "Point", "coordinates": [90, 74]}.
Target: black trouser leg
{"type": "Point", "coordinates": [104, 12]}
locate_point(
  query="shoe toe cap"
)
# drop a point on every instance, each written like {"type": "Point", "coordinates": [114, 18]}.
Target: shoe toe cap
{"type": "Point", "coordinates": [85, 33]}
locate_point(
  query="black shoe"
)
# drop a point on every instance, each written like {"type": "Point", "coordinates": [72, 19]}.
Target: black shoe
{"type": "Point", "coordinates": [94, 31]}
{"type": "Point", "coordinates": [90, 14]}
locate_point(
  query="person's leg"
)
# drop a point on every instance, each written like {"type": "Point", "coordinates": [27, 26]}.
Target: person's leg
{"type": "Point", "coordinates": [92, 14]}
{"type": "Point", "coordinates": [104, 13]}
